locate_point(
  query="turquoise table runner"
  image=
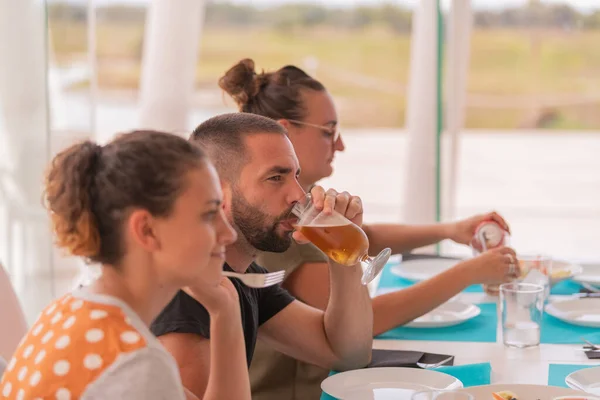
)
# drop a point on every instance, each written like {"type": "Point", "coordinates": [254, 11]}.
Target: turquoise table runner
{"type": "Point", "coordinates": [483, 329]}
{"type": "Point", "coordinates": [479, 329]}
{"type": "Point", "coordinates": [469, 375]}
{"type": "Point", "coordinates": [555, 331]}
{"type": "Point", "coordinates": [566, 288]}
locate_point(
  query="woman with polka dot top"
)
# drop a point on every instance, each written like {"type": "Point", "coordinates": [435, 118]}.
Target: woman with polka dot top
{"type": "Point", "coordinates": [147, 207]}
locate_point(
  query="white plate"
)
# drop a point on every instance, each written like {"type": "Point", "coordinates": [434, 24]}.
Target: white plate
{"type": "Point", "coordinates": [422, 269]}
{"type": "Point", "coordinates": [587, 379]}
{"type": "Point", "coordinates": [582, 312]}
{"type": "Point", "coordinates": [448, 314]}
{"type": "Point", "coordinates": [590, 274]}
{"type": "Point", "coordinates": [403, 391]}
{"type": "Point", "coordinates": [523, 392]}
{"type": "Point", "coordinates": [388, 382]}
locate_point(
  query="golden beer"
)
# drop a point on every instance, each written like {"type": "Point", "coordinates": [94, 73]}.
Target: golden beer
{"type": "Point", "coordinates": [345, 244]}
{"type": "Point", "coordinates": [341, 240]}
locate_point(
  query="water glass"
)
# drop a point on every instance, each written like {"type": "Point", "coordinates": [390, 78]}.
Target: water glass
{"type": "Point", "coordinates": [441, 395]}
{"type": "Point", "coordinates": [522, 307]}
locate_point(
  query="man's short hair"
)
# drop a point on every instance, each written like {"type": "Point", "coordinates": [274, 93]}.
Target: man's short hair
{"type": "Point", "coordinates": [222, 137]}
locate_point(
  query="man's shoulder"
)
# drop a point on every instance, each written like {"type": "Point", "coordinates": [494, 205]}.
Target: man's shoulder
{"type": "Point", "coordinates": [183, 314]}
{"type": "Point", "coordinates": [291, 259]}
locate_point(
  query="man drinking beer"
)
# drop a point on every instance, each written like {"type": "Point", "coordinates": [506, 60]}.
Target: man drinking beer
{"type": "Point", "coordinates": [259, 172]}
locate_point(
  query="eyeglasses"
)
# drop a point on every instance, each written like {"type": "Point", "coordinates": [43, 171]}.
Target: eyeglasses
{"type": "Point", "coordinates": [333, 132]}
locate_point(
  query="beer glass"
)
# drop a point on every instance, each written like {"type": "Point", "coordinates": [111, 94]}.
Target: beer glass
{"type": "Point", "coordinates": [341, 240]}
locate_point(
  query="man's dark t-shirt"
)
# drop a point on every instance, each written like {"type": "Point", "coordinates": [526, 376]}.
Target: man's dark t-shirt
{"type": "Point", "coordinates": [185, 315]}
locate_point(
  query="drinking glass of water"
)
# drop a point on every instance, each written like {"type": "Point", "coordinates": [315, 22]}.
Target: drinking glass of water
{"type": "Point", "coordinates": [521, 306]}
{"type": "Point", "coordinates": [441, 395]}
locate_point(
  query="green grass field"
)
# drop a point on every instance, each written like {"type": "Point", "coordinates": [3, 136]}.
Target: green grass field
{"type": "Point", "coordinates": [367, 70]}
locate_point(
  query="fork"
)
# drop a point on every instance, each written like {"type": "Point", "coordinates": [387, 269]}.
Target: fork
{"type": "Point", "coordinates": [258, 280]}
{"type": "Point", "coordinates": [434, 366]}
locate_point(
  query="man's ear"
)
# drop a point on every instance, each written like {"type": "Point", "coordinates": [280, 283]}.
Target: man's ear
{"type": "Point", "coordinates": [285, 123]}
{"type": "Point", "coordinates": [227, 195]}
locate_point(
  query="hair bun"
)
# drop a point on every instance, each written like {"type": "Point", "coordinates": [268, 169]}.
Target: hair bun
{"type": "Point", "coordinates": [242, 82]}
{"type": "Point", "coordinates": [68, 191]}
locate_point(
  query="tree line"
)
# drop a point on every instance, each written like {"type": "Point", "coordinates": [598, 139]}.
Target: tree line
{"type": "Point", "coordinates": [294, 16]}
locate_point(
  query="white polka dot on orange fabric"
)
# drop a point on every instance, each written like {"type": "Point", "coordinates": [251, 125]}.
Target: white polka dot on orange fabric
{"type": "Point", "coordinates": [40, 356]}
{"type": "Point", "coordinates": [92, 361]}
{"type": "Point", "coordinates": [6, 389]}
{"type": "Point", "coordinates": [36, 331]}
{"type": "Point", "coordinates": [11, 364]}
{"type": "Point", "coordinates": [51, 309]}
{"type": "Point", "coordinates": [69, 322]}
{"type": "Point", "coordinates": [28, 351]}
{"type": "Point", "coordinates": [63, 394]}
{"type": "Point", "coordinates": [94, 335]}
{"type": "Point", "coordinates": [130, 337]}
{"type": "Point", "coordinates": [46, 338]}
{"type": "Point", "coordinates": [61, 368]}
{"type": "Point", "coordinates": [98, 314]}
{"type": "Point", "coordinates": [36, 377]}
{"type": "Point", "coordinates": [22, 373]}
{"type": "Point", "coordinates": [56, 317]}
{"type": "Point", "coordinates": [62, 342]}
{"type": "Point", "coordinates": [20, 394]}
{"type": "Point", "coordinates": [76, 305]}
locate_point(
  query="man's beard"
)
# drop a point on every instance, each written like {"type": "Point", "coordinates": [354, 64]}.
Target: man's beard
{"type": "Point", "coordinates": [254, 225]}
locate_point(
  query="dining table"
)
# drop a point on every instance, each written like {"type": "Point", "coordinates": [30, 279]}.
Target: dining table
{"type": "Point", "coordinates": [559, 353]}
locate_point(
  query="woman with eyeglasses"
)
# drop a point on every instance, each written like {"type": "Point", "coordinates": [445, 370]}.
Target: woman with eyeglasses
{"type": "Point", "coordinates": [305, 108]}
